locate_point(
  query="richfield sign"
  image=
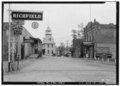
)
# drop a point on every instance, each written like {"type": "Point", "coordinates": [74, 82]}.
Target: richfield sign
{"type": "Point", "coordinates": [27, 15]}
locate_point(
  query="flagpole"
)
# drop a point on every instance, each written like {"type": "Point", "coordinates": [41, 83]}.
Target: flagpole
{"type": "Point", "coordinates": [9, 54]}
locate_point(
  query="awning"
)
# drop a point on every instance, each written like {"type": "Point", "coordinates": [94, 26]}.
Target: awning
{"type": "Point", "coordinates": [88, 43]}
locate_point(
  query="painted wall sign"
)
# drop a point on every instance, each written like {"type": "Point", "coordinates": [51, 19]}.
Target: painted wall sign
{"type": "Point", "coordinates": [27, 15]}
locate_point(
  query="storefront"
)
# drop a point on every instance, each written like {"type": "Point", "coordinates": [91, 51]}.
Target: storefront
{"type": "Point", "coordinates": [88, 48]}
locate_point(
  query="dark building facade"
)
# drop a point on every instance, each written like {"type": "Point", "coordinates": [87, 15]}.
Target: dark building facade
{"type": "Point", "coordinates": [77, 48]}
{"type": "Point", "coordinates": [99, 39]}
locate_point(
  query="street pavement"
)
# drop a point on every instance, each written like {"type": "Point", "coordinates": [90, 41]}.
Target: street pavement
{"type": "Point", "coordinates": [64, 69]}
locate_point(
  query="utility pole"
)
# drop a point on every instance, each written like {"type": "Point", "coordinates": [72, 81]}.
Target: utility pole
{"type": "Point", "coordinates": [9, 42]}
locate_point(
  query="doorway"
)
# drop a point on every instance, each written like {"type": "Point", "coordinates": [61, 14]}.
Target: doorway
{"type": "Point", "coordinates": [22, 51]}
{"type": "Point", "coordinates": [43, 51]}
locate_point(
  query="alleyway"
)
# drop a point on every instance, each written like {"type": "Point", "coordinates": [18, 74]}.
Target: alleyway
{"type": "Point", "coordinates": [64, 69]}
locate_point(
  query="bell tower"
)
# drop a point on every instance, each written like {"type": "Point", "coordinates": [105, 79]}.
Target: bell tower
{"type": "Point", "coordinates": [48, 42]}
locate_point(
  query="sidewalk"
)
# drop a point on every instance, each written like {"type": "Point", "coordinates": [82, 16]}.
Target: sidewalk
{"type": "Point", "coordinates": [33, 56]}
{"type": "Point", "coordinates": [99, 61]}
{"type": "Point", "coordinates": [23, 63]}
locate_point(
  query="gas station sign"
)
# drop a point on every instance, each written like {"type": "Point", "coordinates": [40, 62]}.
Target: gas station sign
{"type": "Point", "coordinates": [27, 15]}
{"type": "Point", "coordinates": [16, 22]}
{"type": "Point", "coordinates": [18, 30]}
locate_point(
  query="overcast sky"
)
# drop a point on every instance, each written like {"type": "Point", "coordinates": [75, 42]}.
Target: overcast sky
{"type": "Point", "coordinates": [62, 18]}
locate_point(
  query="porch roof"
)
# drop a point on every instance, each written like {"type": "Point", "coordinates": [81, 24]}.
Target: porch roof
{"type": "Point", "coordinates": [88, 43]}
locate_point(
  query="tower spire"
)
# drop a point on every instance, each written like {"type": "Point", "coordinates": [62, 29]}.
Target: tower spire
{"type": "Point", "coordinates": [48, 31]}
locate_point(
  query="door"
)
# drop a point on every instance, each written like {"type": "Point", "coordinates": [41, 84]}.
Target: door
{"type": "Point", "coordinates": [43, 51]}
{"type": "Point", "coordinates": [22, 51]}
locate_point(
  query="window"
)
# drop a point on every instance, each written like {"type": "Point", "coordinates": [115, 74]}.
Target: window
{"type": "Point", "coordinates": [52, 45]}
{"type": "Point", "coordinates": [48, 51]}
{"type": "Point", "coordinates": [52, 51]}
{"type": "Point", "coordinates": [49, 39]}
{"type": "Point", "coordinates": [48, 45]}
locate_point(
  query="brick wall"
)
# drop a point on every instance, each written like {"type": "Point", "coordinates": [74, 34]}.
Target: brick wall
{"type": "Point", "coordinates": [112, 48]}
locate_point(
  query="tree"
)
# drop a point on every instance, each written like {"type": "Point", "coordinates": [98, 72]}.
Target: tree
{"type": "Point", "coordinates": [74, 33]}
{"type": "Point", "coordinates": [78, 33]}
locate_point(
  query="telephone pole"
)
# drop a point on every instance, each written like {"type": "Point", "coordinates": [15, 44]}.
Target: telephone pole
{"type": "Point", "coordinates": [9, 42]}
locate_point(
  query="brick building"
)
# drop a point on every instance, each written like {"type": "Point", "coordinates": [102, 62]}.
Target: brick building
{"type": "Point", "coordinates": [99, 39]}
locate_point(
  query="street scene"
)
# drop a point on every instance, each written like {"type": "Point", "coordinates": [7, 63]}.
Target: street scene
{"type": "Point", "coordinates": [59, 43]}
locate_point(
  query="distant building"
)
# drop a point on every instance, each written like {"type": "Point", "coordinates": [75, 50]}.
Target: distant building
{"type": "Point", "coordinates": [77, 48]}
{"type": "Point", "coordinates": [99, 39]}
{"type": "Point", "coordinates": [48, 43]}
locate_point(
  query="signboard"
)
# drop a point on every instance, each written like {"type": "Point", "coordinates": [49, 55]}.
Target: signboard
{"type": "Point", "coordinates": [28, 41]}
{"type": "Point", "coordinates": [17, 27]}
{"type": "Point", "coordinates": [18, 22]}
{"type": "Point", "coordinates": [17, 32]}
{"type": "Point", "coordinates": [27, 15]}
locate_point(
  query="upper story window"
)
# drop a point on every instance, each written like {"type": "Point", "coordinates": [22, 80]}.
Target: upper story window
{"type": "Point", "coordinates": [48, 45]}
{"type": "Point", "coordinates": [49, 39]}
{"type": "Point", "coordinates": [52, 45]}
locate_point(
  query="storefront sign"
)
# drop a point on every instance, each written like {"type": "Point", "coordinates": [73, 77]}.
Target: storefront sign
{"type": "Point", "coordinates": [17, 27]}
{"type": "Point", "coordinates": [17, 32]}
{"type": "Point", "coordinates": [18, 22]}
{"type": "Point", "coordinates": [27, 15]}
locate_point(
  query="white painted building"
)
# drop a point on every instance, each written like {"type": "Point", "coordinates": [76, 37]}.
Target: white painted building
{"type": "Point", "coordinates": [48, 43]}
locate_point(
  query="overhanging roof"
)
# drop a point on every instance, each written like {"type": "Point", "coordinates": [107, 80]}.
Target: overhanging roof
{"type": "Point", "coordinates": [88, 43]}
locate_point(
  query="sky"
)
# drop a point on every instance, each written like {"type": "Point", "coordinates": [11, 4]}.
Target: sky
{"type": "Point", "coordinates": [62, 18]}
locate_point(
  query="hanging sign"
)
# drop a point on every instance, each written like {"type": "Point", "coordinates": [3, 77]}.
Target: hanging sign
{"type": "Point", "coordinates": [17, 32]}
{"type": "Point", "coordinates": [27, 15]}
{"type": "Point", "coordinates": [18, 22]}
{"type": "Point", "coordinates": [35, 25]}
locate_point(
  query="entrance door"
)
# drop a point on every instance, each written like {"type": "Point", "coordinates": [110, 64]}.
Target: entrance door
{"type": "Point", "coordinates": [36, 51]}
{"type": "Point", "coordinates": [43, 51]}
{"type": "Point", "coordinates": [22, 51]}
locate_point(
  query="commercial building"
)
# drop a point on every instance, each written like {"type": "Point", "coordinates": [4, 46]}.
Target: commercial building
{"type": "Point", "coordinates": [48, 43]}
{"type": "Point", "coordinates": [24, 44]}
{"type": "Point", "coordinates": [100, 40]}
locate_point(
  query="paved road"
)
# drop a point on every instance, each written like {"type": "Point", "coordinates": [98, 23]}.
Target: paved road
{"type": "Point", "coordinates": [57, 69]}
